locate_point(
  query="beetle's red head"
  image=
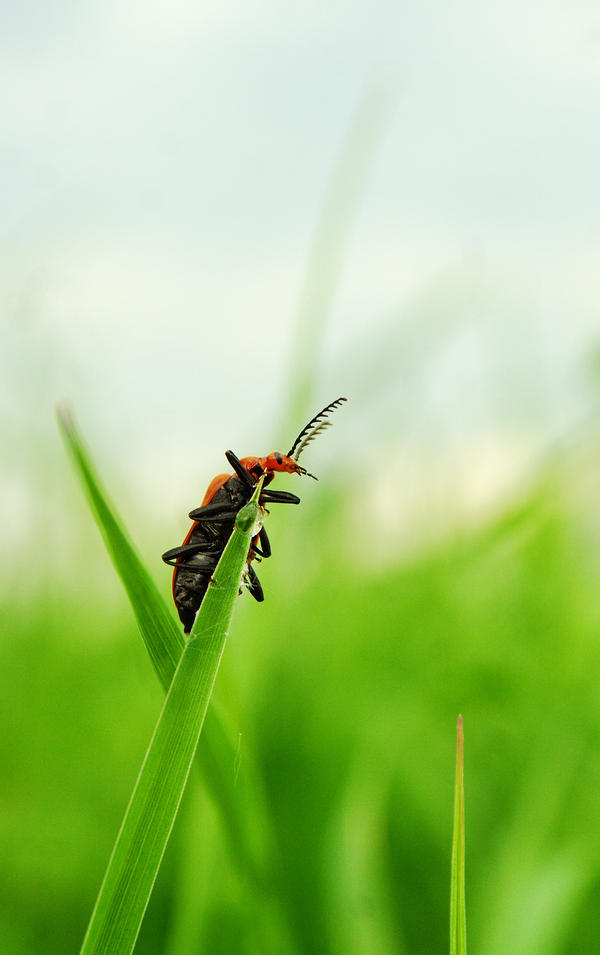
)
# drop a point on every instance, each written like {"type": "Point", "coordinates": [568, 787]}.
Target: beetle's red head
{"type": "Point", "coordinates": [276, 461]}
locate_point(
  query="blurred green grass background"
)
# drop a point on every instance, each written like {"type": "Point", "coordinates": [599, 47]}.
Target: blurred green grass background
{"type": "Point", "coordinates": [343, 688]}
{"type": "Point", "coordinates": [429, 573]}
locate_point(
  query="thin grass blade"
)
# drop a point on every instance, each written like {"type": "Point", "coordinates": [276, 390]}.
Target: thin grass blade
{"type": "Point", "coordinates": [458, 916]}
{"type": "Point", "coordinates": [149, 819]}
{"type": "Point", "coordinates": [331, 235]}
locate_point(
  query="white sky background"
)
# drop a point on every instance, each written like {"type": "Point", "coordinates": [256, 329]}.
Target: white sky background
{"type": "Point", "coordinates": [163, 166]}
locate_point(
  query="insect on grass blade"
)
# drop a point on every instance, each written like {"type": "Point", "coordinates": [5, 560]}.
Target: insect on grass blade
{"type": "Point", "coordinates": [148, 821]}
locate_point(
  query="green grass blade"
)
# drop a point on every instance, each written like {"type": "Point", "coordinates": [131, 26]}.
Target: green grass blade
{"type": "Point", "coordinates": [163, 638]}
{"type": "Point", "coordinates": [165, 642]}
{"type": "Point", "coordinates": [145, 831]}
{"type": "Point", "coordinates": [458, 916]}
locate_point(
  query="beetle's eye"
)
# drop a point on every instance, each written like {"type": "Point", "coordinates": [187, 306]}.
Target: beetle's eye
{"type": "Point", "coordinates": [278, 457]}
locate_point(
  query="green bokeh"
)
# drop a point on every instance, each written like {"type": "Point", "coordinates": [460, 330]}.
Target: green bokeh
{"type": "Point", "coordinates": [340, 692]}
{"type": "Point", "coordinates": [343, 688]}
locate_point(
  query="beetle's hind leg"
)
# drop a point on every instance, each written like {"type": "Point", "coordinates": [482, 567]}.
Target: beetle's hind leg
{"type": "Point", "coordinates": [265, 545]}
{"type": "Point", "coordinates": [253, 584]}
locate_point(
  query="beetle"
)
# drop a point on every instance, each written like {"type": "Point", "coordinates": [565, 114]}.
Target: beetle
{"type": "Point", "coordinates": [197, 557]}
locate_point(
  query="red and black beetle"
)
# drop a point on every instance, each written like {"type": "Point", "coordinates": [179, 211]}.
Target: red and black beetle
{"type": "Point", "coordinates": [196, 559]}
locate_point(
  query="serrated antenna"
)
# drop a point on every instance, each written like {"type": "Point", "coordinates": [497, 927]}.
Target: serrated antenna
{"type": "Point", "coordinates": [309, 437]}
{"type": "Point", "coordinates": [314, 427]}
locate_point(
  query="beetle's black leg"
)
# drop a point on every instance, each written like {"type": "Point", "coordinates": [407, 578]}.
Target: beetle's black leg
{"type": "Point", "coordinates": [278, 497]}
{"type": "Point", "coordinates": [180, 556]}
{"type": "Point", "coordinates": [265, 544]}
{"type": "Point", "coordinates": [239, 468]}
{"type": "Point", "coordinates": [254, 584]}
{"type": "Point", "coordinates": [198, 547]}
{"type": "Point", "coordinates": [195, 563]}
{"type": "Point", "coordinates": [215, 511]}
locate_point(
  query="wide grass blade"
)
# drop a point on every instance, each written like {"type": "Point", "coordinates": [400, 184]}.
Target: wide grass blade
{"type": "Point", "coordinates": [163, 638]}
{"type": "Point", "coordinates": [458, 916]}
{"type": "Point", "coordinates": [143, 837]}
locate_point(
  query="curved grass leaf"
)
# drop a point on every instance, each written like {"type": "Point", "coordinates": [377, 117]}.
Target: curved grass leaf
{"type": "Point", "coordinates": [163, 638]}
{"type": "Point", "coordinates": [458, 919]}
{"type": "Point", "coordinates": [145, 830]}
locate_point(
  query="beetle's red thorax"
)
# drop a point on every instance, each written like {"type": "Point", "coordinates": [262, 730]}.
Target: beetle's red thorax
{"type": "Point", "coordinates": [272, 462]}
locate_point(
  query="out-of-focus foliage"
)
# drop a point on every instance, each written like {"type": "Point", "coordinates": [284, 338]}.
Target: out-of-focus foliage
{"type": "Point", "coordinates": [344, 687]}
{"type": "Point", "coordinates": [340, 693]}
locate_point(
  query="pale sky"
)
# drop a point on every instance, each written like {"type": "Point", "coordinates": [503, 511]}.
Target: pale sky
{"type": "Point", "coordinates": [163, 166]}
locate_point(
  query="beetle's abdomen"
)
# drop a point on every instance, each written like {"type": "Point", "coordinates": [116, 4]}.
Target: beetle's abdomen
{"type": "Point", "coordinates": [192, 577]}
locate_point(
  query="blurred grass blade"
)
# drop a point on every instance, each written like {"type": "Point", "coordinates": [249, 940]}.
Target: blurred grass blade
{"type": "Point", "coordinates": [145, 831]}
{"type": "Point", "coordinates": [344, 191]}
{"type": "Point", "coordinates": [458, 916]}
{"type": "Point", "coordinates": [160, 633]}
